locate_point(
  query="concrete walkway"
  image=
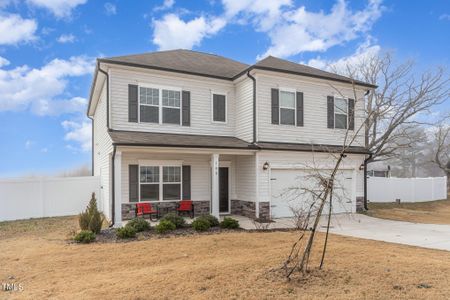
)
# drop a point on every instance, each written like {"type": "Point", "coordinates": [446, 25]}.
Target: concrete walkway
{"type": "Point", "coordinates": [361, 226]}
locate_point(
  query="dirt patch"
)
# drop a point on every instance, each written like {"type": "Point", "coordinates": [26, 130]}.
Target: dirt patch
{"type": "Point", "coordinates": [434, 212]}
{"type": "Point", "coordinates": [234, 265]}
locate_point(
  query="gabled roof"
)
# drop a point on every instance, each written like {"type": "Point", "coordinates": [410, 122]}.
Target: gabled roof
{"type": "Point", "coordinates": [281, 65]}
{"type": "Point", "coordinates": [186, 61]}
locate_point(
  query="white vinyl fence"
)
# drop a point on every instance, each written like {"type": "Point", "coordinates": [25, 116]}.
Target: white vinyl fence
{"type": "Point", "coordinates": [46, 197]}
{"type": "Point", "coordinates": [381, 189]}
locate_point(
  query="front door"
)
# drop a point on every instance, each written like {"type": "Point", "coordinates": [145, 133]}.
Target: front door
{"type": "Point", "coordinates": [224, 206]}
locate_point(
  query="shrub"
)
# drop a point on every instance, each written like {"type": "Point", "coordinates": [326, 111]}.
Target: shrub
{"type": "Point", "coordinates": [91, 219]}
{"type": "Point", "coordinates": [201, 224]}
{"type": "Point", "coordinates": [229, 223]}
{"type": "Point", "coordinates": [213, 221]}
{"type": "Point", "coordinates": [126, 232]}
{"type": "Point", "coordinates": [84, 236]}
{"type": "Point", "coordinates": [175, 219]}
{"type": "Point", "coordinates": [139, 224]}
{"type": "Point", "coordinates": [165, 226]}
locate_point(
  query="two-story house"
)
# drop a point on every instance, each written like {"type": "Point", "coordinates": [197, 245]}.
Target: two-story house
{"type": "Point", "coordinates": [232, 137]}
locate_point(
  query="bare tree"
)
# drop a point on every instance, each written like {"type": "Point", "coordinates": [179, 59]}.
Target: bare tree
{"type": "Point", "coordinates": [393, 107]}
{"type": "Point", "coordinates": [441, 151]}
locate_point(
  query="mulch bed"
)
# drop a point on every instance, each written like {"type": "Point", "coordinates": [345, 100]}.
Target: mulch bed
{"type": "Point", "coordinates": [109, 235]}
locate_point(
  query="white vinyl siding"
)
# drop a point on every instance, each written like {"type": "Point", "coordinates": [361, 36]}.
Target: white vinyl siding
{"type": "Point", "coordinates": [200, 106]}
{"type": "Point", "coordinates": [102, 149]}
{"type": "Point", "coordinates": [245, 178]}
{"type": "Point", "coordinates": [315, 94]}
{"type": "Point", "coordinates": [244, 109]}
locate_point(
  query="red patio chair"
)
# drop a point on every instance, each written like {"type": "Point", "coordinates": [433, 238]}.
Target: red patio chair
{"type": "Point", "coordinates": [186, 206]}
{"type": "Point", "coordinates": [143, 209]}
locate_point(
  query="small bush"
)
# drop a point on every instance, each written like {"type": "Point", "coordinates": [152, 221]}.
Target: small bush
{"type": "Point", "coordinates": [213, 221]}
{"type": "Point", "coordinates": [201, 224]}
{"type": "Point", "coordinates": [175, 219]}
{"type": "Point", "coordinates": [85, 237]}
{"type": "Point", "coordinates": [139, 224]}
{"type": "Point", "coordinates": [229, 223]}
{"type": "Point", "coordinates": [126, 232]}
{"type": "Point", "coordinates": [165, 226]}
{"type": "Point", "coordinates": [91, 219]}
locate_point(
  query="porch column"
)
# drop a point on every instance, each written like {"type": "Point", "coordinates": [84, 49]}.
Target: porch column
{"type": "Point", "coordinates": [118, 189]}
{"type": "Point", "coordinates": [215, 185]}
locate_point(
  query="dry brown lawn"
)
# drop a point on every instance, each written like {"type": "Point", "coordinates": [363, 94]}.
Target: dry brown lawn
{"type": "Point", "coordinates": [433, 212]}
{"type": "Point", "coordinates": [219, 266]}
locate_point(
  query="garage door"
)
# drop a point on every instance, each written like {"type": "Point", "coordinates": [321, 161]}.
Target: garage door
{"type": "Point", "coordinates": [288, 191]}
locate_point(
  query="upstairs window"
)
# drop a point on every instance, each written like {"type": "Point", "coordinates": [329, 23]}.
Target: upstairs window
{"type": "Point", "coordinates": [219, 108]}
{"type": "Point", "coordinates": [287, 108]}
{"type": "Point", "coordinates": [157, 105]}
{"type": "Point", "coordinates": [340, 113]}
{"type": "Point", "coordinates": [171, 106]}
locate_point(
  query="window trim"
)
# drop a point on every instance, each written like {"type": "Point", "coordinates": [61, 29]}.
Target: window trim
{"type": "Point", "coordinates": [160, 103]}
{"type": "Point", "coordinates": [212, 107]}
{"type": "Point", "coordinates": [160, 165]}
{"type": "Point", "coordinates": [335, 113]}
{"type": "Point", "coordinates": [289, 90]}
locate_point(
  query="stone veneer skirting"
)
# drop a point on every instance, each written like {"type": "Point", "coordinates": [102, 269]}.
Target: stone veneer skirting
{"type": "Point", "coordinates": [243, 208]}
{"type": "Point", "coordinates": [129, 209]}
{"type": "Point", "coordinates": [359, 204]}
{"type": "Point", "coordinates": [264, 210]}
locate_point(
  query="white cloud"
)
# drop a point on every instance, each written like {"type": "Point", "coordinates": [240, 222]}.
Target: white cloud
{"type": "Point", "coordinates": [167, 4]}
{"type": "Point", "coordinates": [29, 144]}
{"type": "Point", "coordinates": [364, 52]}
{"type": "Point", "coordinates": [42, 89]}
{"type": "Point", "coordinates": [60, 8]}
{"type": "Point", "coordinates": [78, 132]}
{"type": "Point", "coordinates": [14, 29]}
{"type": "Point", "coordinates": [110, 9]}
{"type": "Point", "coordinates": [171, 32]}
{"type": "Point", "coordinates": [3, 62]}
{"type": "Point", "coordinates": [444, 17]}
{"type": "Point", "coordinates": [66, 38]}
{"type": "Point", "coordinates": [301, 30]}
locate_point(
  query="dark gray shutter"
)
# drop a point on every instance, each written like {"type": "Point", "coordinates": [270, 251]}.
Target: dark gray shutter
{"type": "Point", "coordinates": [219, 108]}
{"type": "Point", "coordinates": [351, 114]}
{"type": "Point", "coordinates": [299, 109]}
{"type": "Point", "coordinates": [330, 111]}
{"type": "Point", "coordinates": [132, 103]}
{"type": "Point", "coordinates": [186, 108]}
{"type": "Point", "coordinates": [275, 106]}
{"type": "Point", "coordinates": [133, 182]}
{"type": "Point", "coordinates": [187, 183]}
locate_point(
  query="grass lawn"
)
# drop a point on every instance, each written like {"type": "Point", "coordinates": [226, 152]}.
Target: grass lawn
{"type": "Point", "coordinates": [234, 265]}
{"type": "Point", "coordinates": [433, 212]}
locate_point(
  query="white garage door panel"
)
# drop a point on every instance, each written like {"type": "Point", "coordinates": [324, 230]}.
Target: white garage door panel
{"type": "Point", "coordinates": [289, 189]}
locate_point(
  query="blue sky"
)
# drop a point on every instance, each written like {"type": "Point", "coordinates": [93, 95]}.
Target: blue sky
{"type": "Point", "coordinates": [48, 50]}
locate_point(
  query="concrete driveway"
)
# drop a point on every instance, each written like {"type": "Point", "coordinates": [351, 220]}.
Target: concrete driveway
{"type": "Point", "coordinates": [361, 226]}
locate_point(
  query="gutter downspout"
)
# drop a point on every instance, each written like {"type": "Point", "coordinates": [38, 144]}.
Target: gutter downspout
{"type": "Point", "coordinates": [92, 145]}
{"type": "Point", "coordinates": [254, 105]}
{"type": "Point", "coordinates": [113, 197]}
{"type": "Point", "coordinates": [366, 207]}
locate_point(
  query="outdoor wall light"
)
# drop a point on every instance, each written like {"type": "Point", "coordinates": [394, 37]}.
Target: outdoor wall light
{"type": "Point", "coordinates": [361, 167]}
{"type": "Point", "coordinates": [265, 166]}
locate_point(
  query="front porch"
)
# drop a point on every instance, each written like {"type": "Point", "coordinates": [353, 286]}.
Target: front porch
{"type": "Point", "coordinates": [219, 182]}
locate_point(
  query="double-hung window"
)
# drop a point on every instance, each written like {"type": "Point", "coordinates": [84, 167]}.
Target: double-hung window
{"type": "Point", "coordinates": [149, 182]}
{"type": "Point", "coordinates": [149, 104]}
{"type": "Point", "coordinates": [171, 106]}
{"type": "Point", "coordinates": [159, 105]}
{"type": "Point", "coordinates": [160, 183]}
{"type": "Point", "coordinates": [287, 107]}
{"type": "Point", "coordinates": [340, 113]}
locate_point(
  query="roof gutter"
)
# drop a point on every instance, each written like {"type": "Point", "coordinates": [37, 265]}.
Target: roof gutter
{"type": "Point", "coordinates": [254, 105]}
